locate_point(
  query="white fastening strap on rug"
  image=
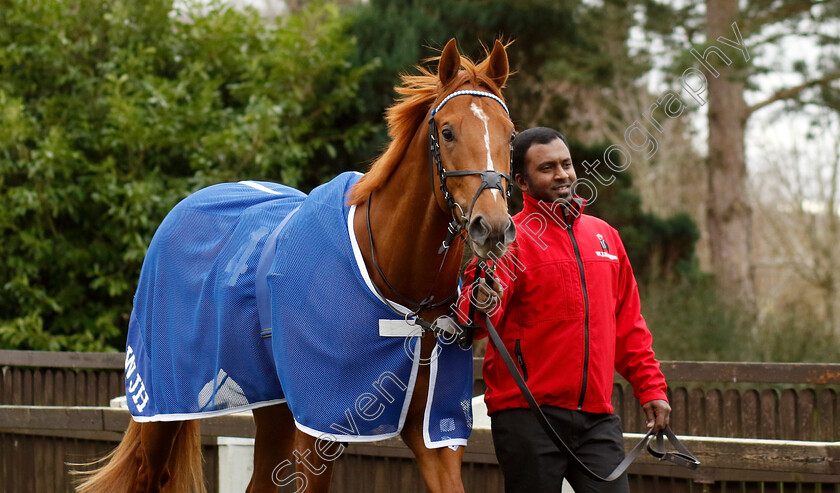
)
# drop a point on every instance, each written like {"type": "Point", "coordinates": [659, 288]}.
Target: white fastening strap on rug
{"type": "Point", "coordinates": [401, 328]}
{"type": "Point", "coordinates": [398, 328]}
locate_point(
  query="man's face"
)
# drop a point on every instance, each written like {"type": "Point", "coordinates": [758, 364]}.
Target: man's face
{"type": "Point", "coordinates": [549, 173]}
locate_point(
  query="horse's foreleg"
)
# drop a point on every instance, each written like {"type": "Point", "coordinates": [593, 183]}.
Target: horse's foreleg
{"type": "Point", "coordinates": [313, 460]}
{"type": "Point", "coordinates": [272, 447]}
{"type": "Point", "coordinates": [440, 467]}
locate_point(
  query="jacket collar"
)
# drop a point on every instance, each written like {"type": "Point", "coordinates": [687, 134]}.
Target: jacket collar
{"type": "Point", "coordinates": [548, 209]}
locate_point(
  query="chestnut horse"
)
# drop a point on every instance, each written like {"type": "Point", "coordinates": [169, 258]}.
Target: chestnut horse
{"type": "Point", "coordinates": [458, 113]}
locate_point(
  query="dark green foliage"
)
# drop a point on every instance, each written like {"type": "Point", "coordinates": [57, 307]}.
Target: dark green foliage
{"type": "Point", "coordinates": [554, 42]}
{"type": "Point", "coordinates": [689, 322]}
{"type": "Point", "coordinates": [795, 332]}
{"type": "Point", "coordinates": [657, 247]}
{"type": "Point", "coordinates": [549, 44]}
{"type": "Point", "coordinates": [112, 112]}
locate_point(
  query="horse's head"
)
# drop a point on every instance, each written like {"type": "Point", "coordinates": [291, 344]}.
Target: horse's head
{"type": "Point", "coordinates": [470, 133]}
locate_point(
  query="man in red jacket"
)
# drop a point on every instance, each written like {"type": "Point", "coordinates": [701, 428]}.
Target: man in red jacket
{"type": "Point", "coordinates": [566, 305]}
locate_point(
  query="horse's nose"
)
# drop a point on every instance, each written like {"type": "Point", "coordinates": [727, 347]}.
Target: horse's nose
{"type": "Point", "coordinates": [479, 230]}
{"type": "Point", "coordinates": [489, 236]}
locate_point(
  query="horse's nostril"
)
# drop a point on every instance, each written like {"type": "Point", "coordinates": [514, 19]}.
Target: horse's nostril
{"type": "Point", "coordinates": [510, 232]}
{"type": "Point", "coordinates": [479, 229]}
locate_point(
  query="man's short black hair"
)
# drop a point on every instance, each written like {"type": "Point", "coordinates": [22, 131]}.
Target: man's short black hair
{"type": "Point", "coordinates": [524, 140]}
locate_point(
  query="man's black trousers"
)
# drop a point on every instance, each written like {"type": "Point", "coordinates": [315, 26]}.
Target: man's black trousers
{"type": "Point", "coordinates": [532, 463]}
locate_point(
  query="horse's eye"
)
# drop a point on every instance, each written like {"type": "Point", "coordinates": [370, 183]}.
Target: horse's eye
{"type": "Point", "coordinates": [448, 135]}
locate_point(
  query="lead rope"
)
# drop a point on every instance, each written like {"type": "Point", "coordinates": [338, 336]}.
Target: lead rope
{"type": "Point", "coordinates": [683, 457]}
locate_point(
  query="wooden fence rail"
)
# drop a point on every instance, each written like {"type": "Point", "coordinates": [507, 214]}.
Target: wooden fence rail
{"type": "Point", "coordinates": [60, 378]}
{"type": "Point", "coordinates": [723, 460]}
{"type": "Point", "coordinates": [785, 419]}
{"type": "Point", "coordinates": [787, 401]}
{"type": "Point", "coordinates": [784, 401]}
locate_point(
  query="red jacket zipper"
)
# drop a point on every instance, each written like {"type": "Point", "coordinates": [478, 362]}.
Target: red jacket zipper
{"type": "Point", "coordinates": [571, 224]}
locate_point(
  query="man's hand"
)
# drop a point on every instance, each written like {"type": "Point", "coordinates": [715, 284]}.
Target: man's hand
{"type": "Point", "coordinates": [657, 414]}
{"type": "Point", "coordinates": [487, 299]}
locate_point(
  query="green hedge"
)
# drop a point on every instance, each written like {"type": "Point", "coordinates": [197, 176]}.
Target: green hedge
{"type": "Point", "coordinates": [112, 112]}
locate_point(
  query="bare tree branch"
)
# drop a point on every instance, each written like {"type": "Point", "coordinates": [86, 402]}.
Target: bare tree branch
{"type": "Point", "coordinates": [792, 92]}
{"type": "Point", "coordinates": [775, 38]}
{"type": "Point", "coordinates": [782, 12]}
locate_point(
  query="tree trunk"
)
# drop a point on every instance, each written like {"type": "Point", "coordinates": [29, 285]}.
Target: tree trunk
{"type": "Point", "coordinates": [729, 211]}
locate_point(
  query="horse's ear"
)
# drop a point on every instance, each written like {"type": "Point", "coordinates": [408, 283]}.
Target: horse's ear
{"type": "Point", "coordinates": [450, 62]}
{"type": "Point", "coordinates": [497, 66]}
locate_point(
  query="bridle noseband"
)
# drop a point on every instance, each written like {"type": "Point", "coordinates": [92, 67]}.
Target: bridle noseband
{"type": "Point", "coordinates": [490, 179]}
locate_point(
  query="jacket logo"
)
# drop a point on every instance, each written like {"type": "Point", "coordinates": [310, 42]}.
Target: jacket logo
{"type": "Point", "coordinates": [605, 249]}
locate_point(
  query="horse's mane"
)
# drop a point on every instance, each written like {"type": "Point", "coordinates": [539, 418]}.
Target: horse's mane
{"type": "Point", "coordinates": [417, 95]}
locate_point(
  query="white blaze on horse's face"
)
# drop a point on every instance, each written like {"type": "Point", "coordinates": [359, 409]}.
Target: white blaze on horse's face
{"type": "Point", "coordinates": [475, 135]}
{"type": "Point", "coordinates": [479, 113]}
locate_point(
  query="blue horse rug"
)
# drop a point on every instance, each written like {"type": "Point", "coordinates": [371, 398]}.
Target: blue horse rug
{"type": "Point", "coordinates": [252, 294]}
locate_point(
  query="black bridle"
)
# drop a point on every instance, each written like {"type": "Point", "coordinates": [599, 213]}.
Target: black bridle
{"type": "Point", "coordinates": [490, 179]}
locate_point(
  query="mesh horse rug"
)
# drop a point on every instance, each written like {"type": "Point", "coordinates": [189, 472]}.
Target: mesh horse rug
{"type": "Point", "coordinates": [253, 293]}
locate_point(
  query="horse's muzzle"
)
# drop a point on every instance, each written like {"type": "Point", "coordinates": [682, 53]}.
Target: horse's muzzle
{"type": "Point", "coordinates": [490, 240]}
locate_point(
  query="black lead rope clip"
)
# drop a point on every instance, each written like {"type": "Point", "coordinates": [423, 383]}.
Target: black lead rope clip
{"type": "Point", "coordinates": [468, 329]}
{"type": "Point", "coordinates": [682, 457]}
{"type": "Point", "coordinates": [452, 230]}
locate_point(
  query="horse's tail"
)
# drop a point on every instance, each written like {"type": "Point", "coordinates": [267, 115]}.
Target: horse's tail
{"type": "Point", "coordinates": [119, 471]}
{"type": "Point", "coordinates": [186, 461]}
